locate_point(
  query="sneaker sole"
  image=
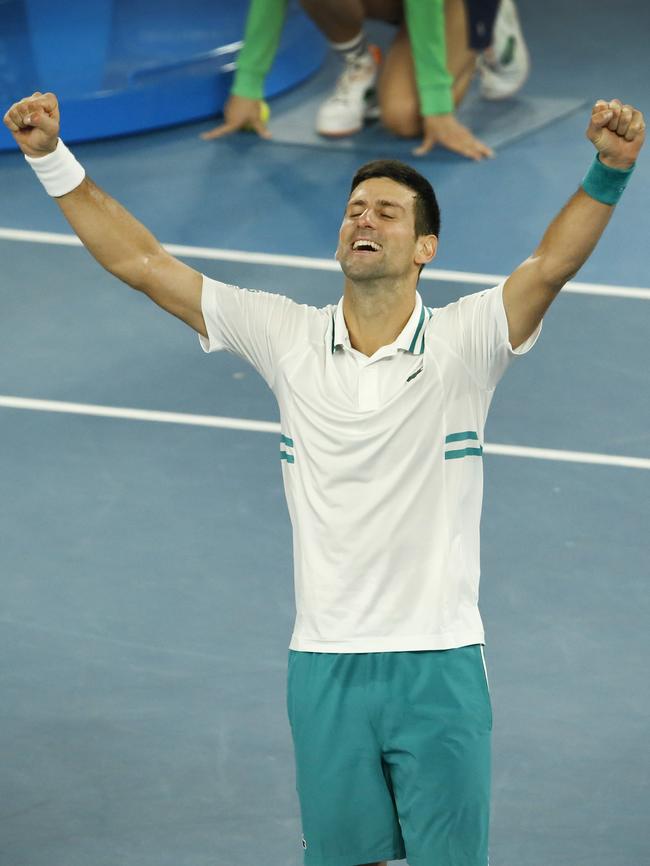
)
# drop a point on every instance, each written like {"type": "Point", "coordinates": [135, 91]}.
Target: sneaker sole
{"type": "Point", "coordinates": [499, 97]}
{"type": "Point", "coordinates": [343, 134]}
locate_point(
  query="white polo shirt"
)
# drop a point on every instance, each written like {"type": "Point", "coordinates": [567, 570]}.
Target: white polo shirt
{"type": "Point", "coordinates": [381, 460]}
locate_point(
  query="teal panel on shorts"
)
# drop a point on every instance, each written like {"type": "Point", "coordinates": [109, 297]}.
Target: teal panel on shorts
{"type": "Point", "coordinates": [392, 756]}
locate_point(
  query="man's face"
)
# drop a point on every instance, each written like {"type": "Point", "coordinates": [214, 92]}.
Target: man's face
{"type": "Point", "coordinates": [380, 213]}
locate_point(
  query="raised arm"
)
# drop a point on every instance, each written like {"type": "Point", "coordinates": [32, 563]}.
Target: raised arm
{"type": "Point", "coordinates": [617, 132]}
{"type": "Point", "coordinates": [109, 232]}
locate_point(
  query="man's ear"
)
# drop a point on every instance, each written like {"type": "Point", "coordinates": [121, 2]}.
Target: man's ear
{"type": "Point", "coordinates": [426, 249]}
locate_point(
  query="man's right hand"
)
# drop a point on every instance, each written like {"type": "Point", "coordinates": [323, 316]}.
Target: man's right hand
{"type": "Point", "coordinates": [240, 113]}
{"type": "Point", "coordinates": [34, 123]}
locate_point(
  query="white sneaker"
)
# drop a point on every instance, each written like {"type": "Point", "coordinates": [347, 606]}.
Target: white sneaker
{"type": "Point", "coordinates": [504, 66]}
{"type": "Point", "coordinates": [344, 112]}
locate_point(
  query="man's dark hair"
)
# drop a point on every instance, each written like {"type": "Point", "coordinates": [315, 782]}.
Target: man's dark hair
{"type": "Point", "coordinates": [427, 212]}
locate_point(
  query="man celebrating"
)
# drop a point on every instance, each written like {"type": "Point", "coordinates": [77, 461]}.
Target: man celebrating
{"type": "Point", "coordinates": [383, 403]}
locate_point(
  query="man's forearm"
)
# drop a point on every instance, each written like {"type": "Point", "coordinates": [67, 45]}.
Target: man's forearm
{"type": "Point", "coordinates": [118, 241]}
{"type": "Point", "coordinates": [570, 239]}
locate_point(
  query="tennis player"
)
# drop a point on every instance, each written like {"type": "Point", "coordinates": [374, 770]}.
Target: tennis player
{"type": "Point", "coordinates": [383, 402]}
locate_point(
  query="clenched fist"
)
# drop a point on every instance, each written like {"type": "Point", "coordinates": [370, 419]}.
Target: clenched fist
{"type": "Point", "coordinates": [34, 123]}
{"type": "Point", "coordinates": [617, 132]}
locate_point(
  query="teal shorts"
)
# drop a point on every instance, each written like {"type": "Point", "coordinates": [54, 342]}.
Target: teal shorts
{"type": "Point", "coordinates": [392, 756]}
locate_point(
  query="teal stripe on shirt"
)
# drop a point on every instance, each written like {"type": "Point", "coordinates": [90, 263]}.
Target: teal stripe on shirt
{"type": "Point", "coordinates": [417, 331]}
{"type": "Point", "coordinates": [458, 437]}
{"type": "Point", "coordinates": [463, 452]}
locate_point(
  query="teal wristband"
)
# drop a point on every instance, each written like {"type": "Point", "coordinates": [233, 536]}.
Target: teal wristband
{"type": "Point", "coordinates": [604, 183]}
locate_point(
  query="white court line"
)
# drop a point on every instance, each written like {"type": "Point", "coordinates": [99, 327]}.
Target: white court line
{"type": "Point", "coordinates": [273, 427]}
{"type": "Point", "coordinates": [138, 414]}
{"type": "Point", "coordinates": [308, 263]}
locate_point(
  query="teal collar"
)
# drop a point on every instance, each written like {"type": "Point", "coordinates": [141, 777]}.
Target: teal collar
{"type": "Point", "coordinates": [410, 340]}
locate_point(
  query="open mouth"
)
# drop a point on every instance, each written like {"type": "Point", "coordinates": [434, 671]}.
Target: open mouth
{"type": "Point", "coordinates": [364, 245]}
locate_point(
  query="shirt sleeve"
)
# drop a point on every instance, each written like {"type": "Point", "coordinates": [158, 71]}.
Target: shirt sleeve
{"type": "Point", "coordinates": [425, 20]}
{"type": "Point", "coordinates": [478, 331]}
{"type": "Point", "coordinates": [261, 39]}
{"type": "Point", "coordinates": [258, 326]}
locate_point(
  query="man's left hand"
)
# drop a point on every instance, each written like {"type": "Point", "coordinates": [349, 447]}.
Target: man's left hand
{"type": "Point", "coordinates": [617, 132]}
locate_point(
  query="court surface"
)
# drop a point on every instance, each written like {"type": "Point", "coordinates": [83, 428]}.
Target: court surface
{"type": "Point", "coordinates": [145, 559]}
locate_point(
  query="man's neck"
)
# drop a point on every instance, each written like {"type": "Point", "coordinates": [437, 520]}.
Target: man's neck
{"type": "Point", "coordinates": [376, 314]}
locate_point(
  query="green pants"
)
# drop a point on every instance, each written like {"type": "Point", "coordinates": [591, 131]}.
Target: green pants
{"type": "Point", "coordinates": [392, 756]}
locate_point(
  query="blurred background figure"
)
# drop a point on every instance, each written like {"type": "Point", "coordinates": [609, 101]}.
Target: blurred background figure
{"type": "Point", "coordinates": [504, 65]}
{"type": "Point", "coordinates": [438, 48]}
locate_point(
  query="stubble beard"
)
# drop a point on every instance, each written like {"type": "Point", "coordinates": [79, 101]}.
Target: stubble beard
{"type": "Point", "coordinates": [368, 276]}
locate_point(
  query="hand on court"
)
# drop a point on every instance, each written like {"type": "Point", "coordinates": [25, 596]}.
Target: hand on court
{"type": "Point", "coordinates": [240, 113]}
{"type": "Point", "coordinates": [617, 131]}
{"type": "Point", "coordinates": [444, 130]}
{"type": "Point", "coordinates": [34, 123]}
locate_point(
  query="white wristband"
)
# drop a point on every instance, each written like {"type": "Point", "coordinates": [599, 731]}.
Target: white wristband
{"type": "Point", "coordinates": [59, 171]}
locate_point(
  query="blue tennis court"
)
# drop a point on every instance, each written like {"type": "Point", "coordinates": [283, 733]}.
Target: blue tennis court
{"type": "Point", "coordinates": [145, 554]}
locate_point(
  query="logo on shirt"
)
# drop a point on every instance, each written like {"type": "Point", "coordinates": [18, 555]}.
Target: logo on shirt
{"type": "Point", "coordinates": [413, 375]}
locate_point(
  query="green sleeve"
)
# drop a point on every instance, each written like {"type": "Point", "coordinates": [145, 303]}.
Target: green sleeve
{"type": "Point", "coordinates": [261, 38]}
{"type": "Point", "coordinates": [425, 20]}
